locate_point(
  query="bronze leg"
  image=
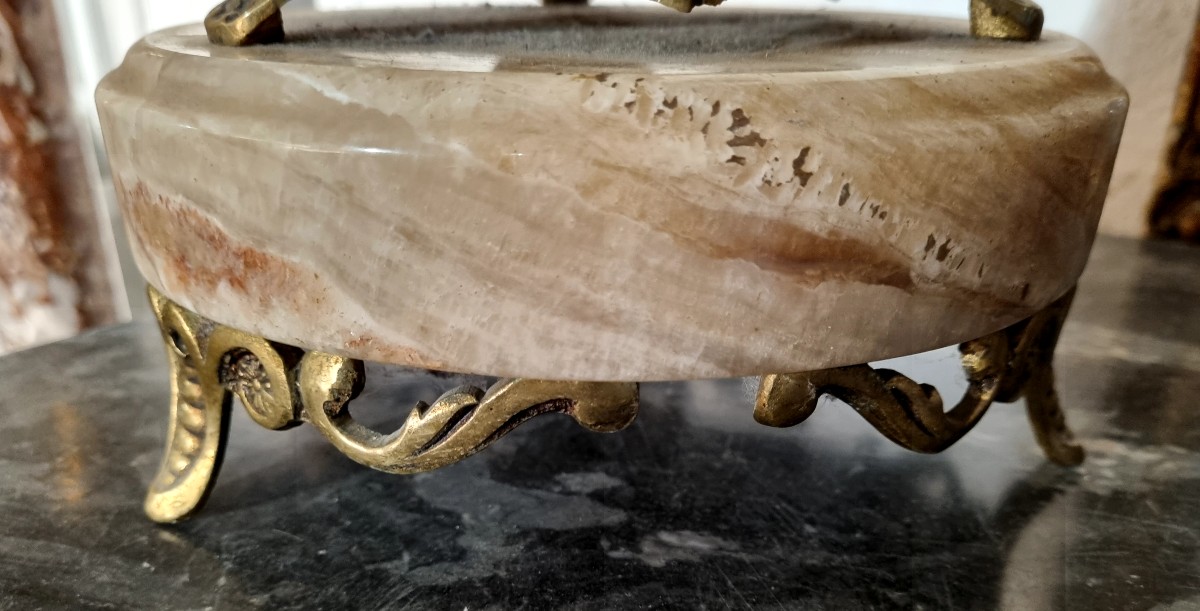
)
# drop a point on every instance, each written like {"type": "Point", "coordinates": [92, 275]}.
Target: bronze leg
{"type": "Point", "coordinates": [458, 424]}
{"type": "Point", "coordinates": [1001, 367]}
{"type": "Point", "coordinates": [198, 421]}
{"type": "Point", "coordinates": [1035, 382]}
{"type": "Point", "coordinates": [282, 386]}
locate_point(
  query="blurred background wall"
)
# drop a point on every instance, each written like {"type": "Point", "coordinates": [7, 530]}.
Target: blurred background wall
{"type": "Point", "coordinates": [58, 272]}
{"type": "Point", "coordinates": [1143, 42]}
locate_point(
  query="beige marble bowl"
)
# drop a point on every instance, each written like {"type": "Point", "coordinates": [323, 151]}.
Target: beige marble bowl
{"type": "Point", "coordinates": [612, 194]}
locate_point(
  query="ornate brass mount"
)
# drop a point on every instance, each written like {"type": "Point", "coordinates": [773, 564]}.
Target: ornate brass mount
{"type": "Point", "coordinates": [252, 22]}
{"type": "Point", "coordinates": [1002, 367]}
{"type": "Point", "coordinates": [282, 386]}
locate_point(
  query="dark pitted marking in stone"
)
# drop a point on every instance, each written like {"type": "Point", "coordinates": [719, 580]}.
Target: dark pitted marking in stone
{"type": "Point", "coordinates": [943, 251]}
{"type": "Point", "coordinates": [844, 196]}
{"type": "Point", "coordinates": [751, 139]}
{"type": "Point", "coordinates": [798, 167]}
{"type": "Point", "coordinates": [740, 119]}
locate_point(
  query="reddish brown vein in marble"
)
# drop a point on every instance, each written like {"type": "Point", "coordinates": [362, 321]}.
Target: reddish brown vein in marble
{"type": "Point", "coordinates": [201, 258]}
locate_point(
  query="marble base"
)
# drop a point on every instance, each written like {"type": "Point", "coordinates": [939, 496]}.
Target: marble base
{"type": "Point", "coordinates": [612, 194]}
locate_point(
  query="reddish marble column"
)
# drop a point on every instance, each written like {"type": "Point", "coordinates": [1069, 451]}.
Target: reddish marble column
{"type": "Point", "coordinates": [1176, 212]}
{"type": "Point", "coordinates": [55, 258]}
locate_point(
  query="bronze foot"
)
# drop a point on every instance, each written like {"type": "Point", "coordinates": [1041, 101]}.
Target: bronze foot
{"type": "Point", "coordinates": [198, 423]}
{"type": "Point", "coordinates": [1002, 367]}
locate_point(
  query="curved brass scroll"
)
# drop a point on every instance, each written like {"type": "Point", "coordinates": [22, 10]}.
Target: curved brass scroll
{"type": "Point", "coordinates": [1001, 367]}
{"type": "Point", "coordinates": [906, 412]}
{"type": "Point", "coordinates": [281, 386]}
{"type": "Point", "coordinates": [460, 423]}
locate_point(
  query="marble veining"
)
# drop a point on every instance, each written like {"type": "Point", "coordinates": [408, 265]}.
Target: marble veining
{"type": "Point", "coordinates": [864, 190]}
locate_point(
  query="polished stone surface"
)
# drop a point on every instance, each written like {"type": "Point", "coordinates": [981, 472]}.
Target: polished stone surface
{"type": "Point", "coordinates": [612, 194]}
{"type": "Point", "coordinates": [694, 506]}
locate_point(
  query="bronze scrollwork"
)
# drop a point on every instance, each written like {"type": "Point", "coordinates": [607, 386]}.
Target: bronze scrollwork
{"type": "Point", "coordinates": [1003, 367]}
{"type": "Point", "coordinates": [281, 386]}
{"type": "Point", "coordinates": [458, 424]}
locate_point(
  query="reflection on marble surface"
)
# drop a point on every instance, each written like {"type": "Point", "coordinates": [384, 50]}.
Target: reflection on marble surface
{"type": "Point", "coordinates": [694, 505]}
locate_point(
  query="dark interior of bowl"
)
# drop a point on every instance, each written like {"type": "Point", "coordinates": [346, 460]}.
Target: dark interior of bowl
{"type": "Point", "coordinates": [621, 36]}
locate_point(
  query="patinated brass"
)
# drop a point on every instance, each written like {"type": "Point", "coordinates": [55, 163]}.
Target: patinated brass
{"type": "Point", "coordinates": [1007, 19]}
{"type": "Point", "coordinates": [1002, 367]}
{"type": "Point", "coordinates": [281, 386]}
{"type": "Point", "coordinates": [1031, 375]}
{"type": "Point", "coordinates": [460, 423]}
{"type": "Point", "coordinates": [198, 421]}
{"type": "Point", "coordinates": [235, 23]}
{"type": "Point", "coordinates": [209, 363]}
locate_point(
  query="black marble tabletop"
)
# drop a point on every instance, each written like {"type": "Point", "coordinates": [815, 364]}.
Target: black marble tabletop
{"type": "Point", "coordinates": [694, 506]}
